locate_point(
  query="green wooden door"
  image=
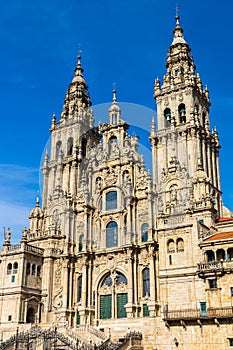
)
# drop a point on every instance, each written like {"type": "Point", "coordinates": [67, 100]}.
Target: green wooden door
{"type": "Point", "coordinates": [122, 299]}
{"type": "Point", "coordinates": [105, 306]}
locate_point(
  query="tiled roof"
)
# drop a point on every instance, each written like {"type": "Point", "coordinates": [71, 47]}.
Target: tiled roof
{"type": "Point", "coordinates": [220, 236]}
{"type": "Point", "coordinates": [223, 219]}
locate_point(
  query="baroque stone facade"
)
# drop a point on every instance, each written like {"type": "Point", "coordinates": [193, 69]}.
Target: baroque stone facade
{"type": "Point", "coordinates": [115, 249]}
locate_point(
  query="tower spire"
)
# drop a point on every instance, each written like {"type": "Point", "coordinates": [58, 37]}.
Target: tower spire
{"type": "Point", "coordinates": [77, 96]}
{"type": "Point", "coordinates": [114, 111]}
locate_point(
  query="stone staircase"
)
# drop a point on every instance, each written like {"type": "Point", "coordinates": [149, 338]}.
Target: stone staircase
{"type": "Point", "coordinates": [63, 337]}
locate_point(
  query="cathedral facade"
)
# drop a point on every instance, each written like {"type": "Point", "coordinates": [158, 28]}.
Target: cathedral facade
{"type": "Point", "coordinates": [114, 249]}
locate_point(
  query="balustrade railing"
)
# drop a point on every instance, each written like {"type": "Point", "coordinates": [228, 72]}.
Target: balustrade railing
{"type": "Point", "coordinates": [221, 312]}
{"type": "Point", "coordinates": [214, 265]}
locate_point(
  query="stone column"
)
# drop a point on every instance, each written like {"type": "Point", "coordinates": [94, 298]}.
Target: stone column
{"type": "Point", "coordinates": [47, 286]}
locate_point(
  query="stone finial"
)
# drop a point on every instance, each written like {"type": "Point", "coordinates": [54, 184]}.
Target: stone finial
{"type": "Point", "coordinates": [114, 111]}
{"type": "Point", "coordinates": [7, 237]}
{"type": "Point", "coordinates": [53, 123]}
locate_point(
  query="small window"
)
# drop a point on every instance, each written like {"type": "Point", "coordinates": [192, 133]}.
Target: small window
{"type": "Point", "coordinates": [70, 146]}
{"type": "Point", "coordinates": [171, 248]}
{"type": "Point", "coordinates": [180, 245]}
{"type": "Point", "coordinates": [231, 291]}
{"type": "Point", "coordinates": [201, 221]}
{"type": "Point", "coordinates": [38, 270]}
{"type": "Point", "coordinates": [113, 140]}
{"type": "Point", "coordinates": [182, 113]}
{"type": "Point", "coordinates": [78, 318]}
{"type": "Point", "coordinates": [80, 242]}
{"type": "Point", "coordinates": [230, 342]}
{"type": "Point", "coordinates": [144, 232]}
{"type": "Point", "coordinates": [210, 255]}
{"type": "Point", "coordinates": [84, 147]}
{"type": "Point", "coordinates": [33, 269]}
{"type": "Point", "coordinates": [58, 149]}
{"type": "Point", "coordinates": [111, 200]}
{"type": "Point", "coordinates": [167, 117]}
{"type": "Point", "coordinates": [145, 310]}
{"type": "Point", "coordinates": [111, 234]}
{"type": "Point", "coordinates": [79, 288]}
{"type": "Point", "coordinates": [15, 267]}
{"type": "Point", "coordinates": [170, 260]}
{"type": "Point", "coordinates": [213, 283]}
{"type": "Point", "coordinates": [203, 308]}
{"type": "Point", "coordinates": [13, 278]}
{"type": "Point", "coordinates": [28, 269]}
{"type": "Point", "coordinates": [9, 317]}
{"type": "Point", "coordinates": [146, 282]}
{"type": "Point", "coordinates": [9, 269]}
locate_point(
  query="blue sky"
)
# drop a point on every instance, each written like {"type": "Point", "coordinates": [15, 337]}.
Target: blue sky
{"type": "Point", "coordinates": [125, 42]}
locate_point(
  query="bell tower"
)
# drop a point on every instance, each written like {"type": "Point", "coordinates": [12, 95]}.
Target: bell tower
{"type": "Point", "coordinates": [185, 152]}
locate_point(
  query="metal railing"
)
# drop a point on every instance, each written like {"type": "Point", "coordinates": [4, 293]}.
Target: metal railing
{"type": "Point", "coordinates": [221, 312]}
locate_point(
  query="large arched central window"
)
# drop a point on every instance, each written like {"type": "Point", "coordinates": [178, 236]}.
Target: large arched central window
{"type": "Point", "coordinates": [111, 234]}
{"type": "Point", "coordinates": [111, 200]}
{"type": "Point", "coordinates": [113, 296]}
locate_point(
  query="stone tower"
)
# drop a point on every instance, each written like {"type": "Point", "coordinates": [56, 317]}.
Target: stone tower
{"type": "Point", "coordinates": [185, 152]}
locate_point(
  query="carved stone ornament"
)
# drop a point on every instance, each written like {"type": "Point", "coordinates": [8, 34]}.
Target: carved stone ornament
{"type": "Point", "coordinates": [58, 274]}
{"type": "Point", "coordinates": [110, 177]}
{"type": "Point", "coordinates": [57, 300]}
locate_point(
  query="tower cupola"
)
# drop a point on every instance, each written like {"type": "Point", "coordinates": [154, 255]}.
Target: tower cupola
{"type": "Point", "coordinates": [77, 97]}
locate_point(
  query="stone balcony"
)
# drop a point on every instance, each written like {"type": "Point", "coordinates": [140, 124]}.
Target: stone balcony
{"type": "Point", "coordinates": [217, 268]}
{"type": "Point", "coordinates": [185, 316]}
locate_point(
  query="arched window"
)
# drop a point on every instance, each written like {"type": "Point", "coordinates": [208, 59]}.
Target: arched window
{"type": "Point", "coordinates": [144, 232]}
{"type": "Point", "coordinates": [113, 296]}
{"type": "Point", "coordinates": [229, 254]}
{"type": "Point", "coordinates": [179, 245]}
{"type": "Point", "coordinates": [203, 118]}
{"type": "Point", "coordinates": [28, 269]}
{"type": "Point", "coordinates": [70, 146]}
{"type": "Point", "coordinates": [210, 255]}
{"type": "Point", "coordinates": [146, 282]}
{"type": "Point", "coordinates": [79, 288]}
{"type": "Point", "coordinates": [9, 269]}
{"type": "Point", "coordinates": [221, 255]}
{"type": "Point", "coordinates": [80, 242]}
{"type": "Point", "coordinates": [30, 318]}
{"type": "Point", "coordinates": [111, 200]}
{"type": "Point", "coordinates": [171, 246]}
{"type": "Point", "coordinates": [121, 279]}
{"type": "Point", "coordinates": [58, 149]}
{"type": "Point", "coordinates": [107, 281]}
{"type": "Point", "coordinates": [15, 267]}
{"type": "Point", "coordinates": [167, 117]}
{"type": "Point", "coordinates": [111, 234]}
{"type": "Point", "coordinates": [84, 147]}
{"type": "Point", "coordinates": [113, 140]}
{"type": "Point", "coordinates": [38, 270]}
{"type": "Point", "coordinates": [33, 269]}
{"type": "Point", "coordinates": [182, 113]}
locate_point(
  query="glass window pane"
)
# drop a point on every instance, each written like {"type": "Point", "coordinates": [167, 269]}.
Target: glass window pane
{"type": "Point", "coordinates": [111, 200]}
{"type": "Point", "coordinates": [112, 235]}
